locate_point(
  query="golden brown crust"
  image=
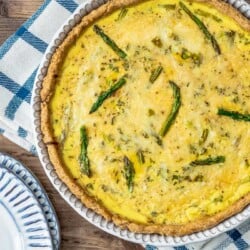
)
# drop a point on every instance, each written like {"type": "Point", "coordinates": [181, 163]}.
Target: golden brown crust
{"type": "Point", "coordinates": [53, 151]}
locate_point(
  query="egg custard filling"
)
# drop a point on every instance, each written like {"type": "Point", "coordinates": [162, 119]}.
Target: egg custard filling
{"type": "Point", "coordinates": [146, 113]}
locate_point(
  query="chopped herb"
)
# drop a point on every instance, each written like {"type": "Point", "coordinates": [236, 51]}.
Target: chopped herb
{"type": "Point", "coordinates": [140, 157]}
{"type": "Point", "coordinates": [185, 54]}
{"type": "Point", "coordinates": [231, 36]}
{"type": "Point", "coordinates": [234, 115]}
{"type": "Point", "coordinates": [247, 164]}
{"type": "Point", "coordinates": [151, 112]}
{"type": "Point", "coordinates": [208, 161]}
{"type": "Point", "coordinates": [90, 186]}
{"type": "Point", "coordinates": [155, 74]}
{"type": "Point", "coordinates": [83, 158]}
{"type": "Point", "coordinates": [174, 111]}
{"type": "Point", "coordinates": [218, 199]}
{"type": "Point", "coordinates": [103, 96]}
{"type": "Point", "coordinates": [203, 28]}
{"type": "Point", "coordinates": [105, 188]}
{"type": "Point", "coordinates": [154, 214]}
{"type": "Point", "coordinates": [168, 6]}
{"type": "Point", "coordinates": [206, 14]}
{"type": "Point", "coordinates": [157, 42]}
{"type": "Point", "coordinates": [113, 68]}
{"type": "Point", "coordinates": [129, 173]}
{"type": "Point", "coordinates": [196, 58]}
{"type": "Point", "coordinates": [204, 136]}
{"type": "Point", "coordinates": [122, 14]}
{"type": "Point", "coordinates": [176, 177]}
{"type": "Point", "coordinates": [158, 140]}
{"type": "Point", "coordinates": [198, 178]}
{"type": "Point", "coordinates": [109, 42]}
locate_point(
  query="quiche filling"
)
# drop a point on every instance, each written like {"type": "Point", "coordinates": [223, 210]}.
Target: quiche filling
{"type": "Point", "coordinates": [151, 112]}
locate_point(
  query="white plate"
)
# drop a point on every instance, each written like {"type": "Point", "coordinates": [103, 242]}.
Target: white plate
{"type": "Point", "coordinates": [88, 214]}
{"type": "Point", "coordinates": [23, 225]}
{"type": "Point", "coordinates": [34, 185]}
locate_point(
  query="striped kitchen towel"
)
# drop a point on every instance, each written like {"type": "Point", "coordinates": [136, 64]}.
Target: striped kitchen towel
{"type": "Point", "coordinates": [20, 56]}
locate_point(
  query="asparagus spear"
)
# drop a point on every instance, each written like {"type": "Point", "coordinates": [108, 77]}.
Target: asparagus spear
{"type": "Point", "coordinates": [155, 74]}
{"type": "Point", "coordinates": [109, 42]}
{"type": "Point", "coordinates": [103, 96]}
{"type": "Point", "coordinates": [83, 158]}
{"type": "Point", "coordinates": [208, 161]}
{"type": "Point", "coordinates": [175, 109]}
{"type": "Point", "coordinates": [129, 173]}
{"type": "Point", "coordinates": [234, 115]}
{"type": "Point", "coordinates": [203, 28]}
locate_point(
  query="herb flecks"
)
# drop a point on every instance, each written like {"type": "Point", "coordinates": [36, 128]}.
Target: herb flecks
{"type": "Point", "coordinates": [168, 6]}
{"type": "Point", "coordinates": [204, 136]}
{"type": "Point", "coordinates": [122, 14]}
{"type": "Point", "coordinates": [234, 115]}
{"type": "Point", "coordinates": [206, 14]}
{"type": "Point", "coordinates": [209, 161]}
{"type": "Point", "coordinates": [231, 36]}
{"type": "Point", "coordinates": [196, 58]}
{"type": "Point", "coordinates": [83, 158]}
{"type": "Point", "coordinates": [218, 199]}
{"type": "Point", "coordinates": [157, 42]}
{"type": "Point", "coordinates": [109, 42]}
{"type": "Point", "coordinates": [140, 156]}
{"type": "Point", "coordinates": [203, 28]}
{"type": "Point", "coordinates": [174, 111]}
{"type": "Point", "coordinates": [103, 96]}
{"type": "Point", "coordinates": [129, 173]}
{"type": "Point", "coordinates": [155, 74]}
{"type": "Point", "coordinates": [158, 139]}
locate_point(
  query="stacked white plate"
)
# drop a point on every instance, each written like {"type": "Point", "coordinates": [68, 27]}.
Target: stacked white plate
{"type": "Point", "coordinates": [27, 218]}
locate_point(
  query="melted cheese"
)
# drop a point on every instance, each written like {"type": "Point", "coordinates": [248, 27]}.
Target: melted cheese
{"type": "Point", "coordinates": [166, 189]}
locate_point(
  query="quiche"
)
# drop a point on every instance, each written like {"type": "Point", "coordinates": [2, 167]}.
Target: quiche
{"type": "Point", "coordinates": [145, 113]}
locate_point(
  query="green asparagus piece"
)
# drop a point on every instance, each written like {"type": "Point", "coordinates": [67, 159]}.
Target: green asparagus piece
{"type": "Point", "coordinates": [175, 109]}
{"type": "Point", "coordinates": [109, 42]}
{"type": "Point", "coordinates": [234, 115]}
{"type": "Point", "coordinates": [103, 96]}
{"type": "Point", "coordinates": [129, 173]}
{"type": "Point", "coordinates": [83, 158]}
{"type": "Point", "coordinates": [208, 161]}
{"type": "Point", "coordinates": [155, 74]}
{"type": "Point", "coordinates": [203, 28]}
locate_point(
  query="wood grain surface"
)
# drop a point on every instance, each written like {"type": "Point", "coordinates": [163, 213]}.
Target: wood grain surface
{"type": "Point", "coordinates": [77, 233]}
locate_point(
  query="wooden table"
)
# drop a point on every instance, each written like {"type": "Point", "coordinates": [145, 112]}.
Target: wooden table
{"type": "Point", "coordinates": [77, 234]}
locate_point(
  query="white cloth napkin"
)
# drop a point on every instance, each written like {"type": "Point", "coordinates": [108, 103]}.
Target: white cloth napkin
{"type": "Point", "coordinates": [20, 56]}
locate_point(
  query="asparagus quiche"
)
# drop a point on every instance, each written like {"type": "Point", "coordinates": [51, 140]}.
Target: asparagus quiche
{"type": "Point", "coordinates": [146, 113]}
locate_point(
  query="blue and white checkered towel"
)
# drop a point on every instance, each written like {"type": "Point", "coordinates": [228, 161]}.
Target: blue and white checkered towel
{"type": "Point", "coordinates": [20, 56]}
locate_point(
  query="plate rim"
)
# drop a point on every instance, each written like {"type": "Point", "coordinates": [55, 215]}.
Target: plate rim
{"type": "Point", "coordinates": [19, 219]}
{"type": "Point", "coordinates": [88, 214]}
{"type": "Point", "coordinates": [14, 163]}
